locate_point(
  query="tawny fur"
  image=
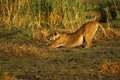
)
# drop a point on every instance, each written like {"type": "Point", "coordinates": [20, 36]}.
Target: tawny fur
{"type": "Point", "coordinates": [83, 36]}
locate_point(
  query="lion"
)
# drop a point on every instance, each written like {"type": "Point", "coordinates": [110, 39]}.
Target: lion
{"type": "Point", "coordinates": [82, 37]}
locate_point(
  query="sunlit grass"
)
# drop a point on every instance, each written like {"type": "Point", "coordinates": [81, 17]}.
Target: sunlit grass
{"type": "Point", "coordinates": [36, 14]}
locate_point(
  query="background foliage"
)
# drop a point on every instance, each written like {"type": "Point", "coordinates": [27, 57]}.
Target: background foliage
{"type": "Point", "coordinates": [27, 18]}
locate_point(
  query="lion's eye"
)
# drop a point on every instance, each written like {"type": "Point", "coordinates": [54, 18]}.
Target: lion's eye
{"type": "Point", "coordinates": [55, 33]}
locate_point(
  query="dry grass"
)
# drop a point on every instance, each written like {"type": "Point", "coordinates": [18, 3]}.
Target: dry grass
{"type": "Point", "coordinates": [4, 75]}
{"type": "Point", "coordinates": [62, 16]}
{"type": "Point", "coordinates": [112, 34]}
{"type": "Point", "coordinates": [23, 14]}
{"type": "Point", "coordinates": [19, 50]}
{"type": "Point", "coordinates": [49, 14]}
{"type": "Point", "coordinates": [110, 68]}
{"type": "Point", "coordinates": [105, 70]}
{"type": "Point", "coordinates": [18, 14]}
{"type": "Point", "coordinates": [7, 77]}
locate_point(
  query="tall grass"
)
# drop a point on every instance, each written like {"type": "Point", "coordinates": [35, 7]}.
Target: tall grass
{"type": "Point", "coordinates": [19, 15]}
{"type": "Point", "coordinates": [67, 14]}
{"type": "Point", "coordinates": [31, 16]}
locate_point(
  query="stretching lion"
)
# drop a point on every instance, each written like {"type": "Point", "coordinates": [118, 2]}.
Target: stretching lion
{"type": "Point", "coordinates": [82, 37]}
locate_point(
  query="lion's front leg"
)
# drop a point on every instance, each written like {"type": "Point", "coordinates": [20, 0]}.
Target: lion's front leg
{"type": "Point", "coordinates": [87, 42]}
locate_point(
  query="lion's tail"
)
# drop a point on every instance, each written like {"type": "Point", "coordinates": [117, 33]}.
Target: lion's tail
{"type": "Point", "coordinates": [103, 30]}
{"type": "Point", "coordinates": [101, 27]}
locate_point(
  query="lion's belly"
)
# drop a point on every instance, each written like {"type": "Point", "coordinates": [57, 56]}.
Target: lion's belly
{"type": "Point", "coordinates": [74, 43]}
{"type": "Point", "coordinates": [79, 41]}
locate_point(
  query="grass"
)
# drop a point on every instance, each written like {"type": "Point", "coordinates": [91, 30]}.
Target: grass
{"type": "Point", "coordinates": [21, 14]}
{"type": "Point", "coordinates": [101, 61]}
{"type": "Point", "coordinates": [24, 54]}
{"type": "Point", "coordinates": [4, 75]}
